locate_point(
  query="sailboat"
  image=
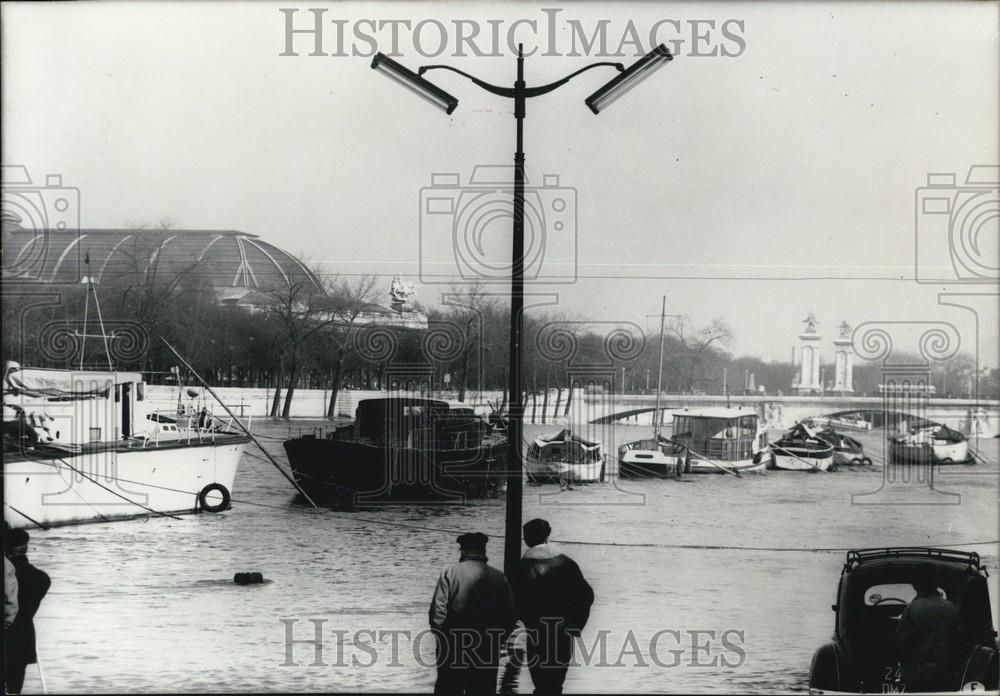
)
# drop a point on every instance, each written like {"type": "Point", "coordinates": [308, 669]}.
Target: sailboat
{"type": "Point", "coordinates": [657, 456]}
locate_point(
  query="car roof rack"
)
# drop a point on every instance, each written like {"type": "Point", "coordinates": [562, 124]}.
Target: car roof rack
{"type": "Point", "coordinates": [858, 556]}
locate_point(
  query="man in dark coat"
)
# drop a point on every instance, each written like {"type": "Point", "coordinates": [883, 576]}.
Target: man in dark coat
{"type": "Point", "coordinates": [471, 613]}
{"type": "Point", "coordinates": [553, 600]}
{"type": "Point", "coordinates": [927, 637]}
{"type": "Point", "coordinates": [32, 584]}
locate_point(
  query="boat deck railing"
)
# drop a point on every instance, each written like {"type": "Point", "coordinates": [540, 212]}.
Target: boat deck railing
{"type": "Point", "coordinates": [201, 426]}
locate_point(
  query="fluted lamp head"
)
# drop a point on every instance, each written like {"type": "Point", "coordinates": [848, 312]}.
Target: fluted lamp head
{"type": "Point", "coordinates": [415, 83]}
{"type": "Point", "coordinates": [633, 75]}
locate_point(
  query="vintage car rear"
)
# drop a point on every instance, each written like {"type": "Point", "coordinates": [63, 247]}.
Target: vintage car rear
{"type": "Point", "coordinates": [875, 587]}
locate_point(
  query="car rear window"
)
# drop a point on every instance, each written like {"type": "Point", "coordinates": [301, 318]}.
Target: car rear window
{"type": "Point", "coordinates": [902, 592]}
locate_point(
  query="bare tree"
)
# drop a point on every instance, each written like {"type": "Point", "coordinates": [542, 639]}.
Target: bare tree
{"type": "Point", "coordinates": [301, 310]}
{"type": "Point", "coordinates": [347, 302]}
{"type": "Point", "coordinates": [470, 309]}
{"type": "Point", "coordinates": [692, 350]}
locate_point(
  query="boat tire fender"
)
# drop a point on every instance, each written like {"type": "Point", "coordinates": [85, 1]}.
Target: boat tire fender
{"type": "Point", "coordinates": [865, 461]}
{"type": "Point", "coordinates": [212, 488]}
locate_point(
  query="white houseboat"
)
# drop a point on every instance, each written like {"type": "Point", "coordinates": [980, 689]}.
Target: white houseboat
{"type": "Point", "coordinates": [82, 446]}
{"type": "Point", "coordinates": [720, 440]}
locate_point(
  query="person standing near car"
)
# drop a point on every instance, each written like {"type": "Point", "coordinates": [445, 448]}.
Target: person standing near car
{"type": "Point", "coordinates": [926, 637]}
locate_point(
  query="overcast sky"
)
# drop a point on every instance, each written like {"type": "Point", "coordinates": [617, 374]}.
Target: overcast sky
{"type": "Point", "coordinates": [775, 178]}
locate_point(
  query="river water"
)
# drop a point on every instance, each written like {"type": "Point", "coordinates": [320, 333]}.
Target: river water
{"type": "Point", "coordinates": [149, 605]}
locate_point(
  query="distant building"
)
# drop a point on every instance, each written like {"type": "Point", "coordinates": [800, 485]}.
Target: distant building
{"type": "Point", "coordinates": [239, 269]}
{"type": "Point", "coordinates": [227, 261]}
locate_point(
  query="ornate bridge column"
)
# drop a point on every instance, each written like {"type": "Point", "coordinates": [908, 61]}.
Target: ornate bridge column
{"type": "Point", "coordinates": [809, 359]}
{"type": "Point", "coordinates": [843, 361]}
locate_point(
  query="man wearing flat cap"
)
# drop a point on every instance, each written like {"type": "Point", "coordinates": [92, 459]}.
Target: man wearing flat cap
{"type": "Point", "coordinates": [471, 613]}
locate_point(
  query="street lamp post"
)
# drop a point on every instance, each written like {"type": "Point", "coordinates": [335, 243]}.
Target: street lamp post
{"type": "Point", "coordinates": [520, 93]}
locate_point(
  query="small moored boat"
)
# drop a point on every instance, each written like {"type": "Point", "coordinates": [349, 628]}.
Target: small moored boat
{"type": "Point", "coordinates": [935, 444]}
{"type": "Point", "coordinates": [564, 457]}
{"type": "Point", "coordinates": [846, 450]}
{"type": "Point", "coordinates": [802, 449]}
{"type": "Point", "coordinates": [655, 457]}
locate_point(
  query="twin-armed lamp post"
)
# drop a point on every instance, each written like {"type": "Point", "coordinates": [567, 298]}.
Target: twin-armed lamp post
{"type": "Point", "coordinates": [598, 101]}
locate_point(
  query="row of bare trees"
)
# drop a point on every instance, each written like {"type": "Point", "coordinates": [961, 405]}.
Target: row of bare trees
{"type": "Point", "coordinates": [304, 333]}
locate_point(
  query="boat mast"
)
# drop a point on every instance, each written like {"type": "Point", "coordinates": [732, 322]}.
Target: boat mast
{"type": "Point", "coordinates": [659, 374]}
{"type": "Point", "coordinates": [91, 290]}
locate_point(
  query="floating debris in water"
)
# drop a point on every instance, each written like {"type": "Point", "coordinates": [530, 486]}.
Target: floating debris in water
{"type": "Point", "coordinates": [248, 578]}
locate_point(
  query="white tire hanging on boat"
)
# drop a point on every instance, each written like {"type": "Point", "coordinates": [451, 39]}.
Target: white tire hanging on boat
{"type": "Point", "coordinates": [203, 503]}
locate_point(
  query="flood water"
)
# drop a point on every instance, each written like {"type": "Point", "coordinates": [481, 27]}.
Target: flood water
{"type": "Point", "coordinates": [149, 605]}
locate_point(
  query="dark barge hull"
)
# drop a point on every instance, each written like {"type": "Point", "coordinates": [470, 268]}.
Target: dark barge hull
{"type": "Point", "coordinates": [347, 473]}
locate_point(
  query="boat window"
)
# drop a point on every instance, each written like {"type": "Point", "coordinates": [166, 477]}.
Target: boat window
{"type": "Point", "coordinates": [718, 428]}
{"type": "Point", "coordinates": [893, 593]}
{"type": "Point", "coordinates": [553, 453]}
{"type": "Point", "coordinates": [682, 426]}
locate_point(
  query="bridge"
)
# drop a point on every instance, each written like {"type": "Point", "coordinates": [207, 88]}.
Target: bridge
{"type": "Point", "coordinates": [978, 417]}
{"type": "Point", "coordinates": [970, 416]}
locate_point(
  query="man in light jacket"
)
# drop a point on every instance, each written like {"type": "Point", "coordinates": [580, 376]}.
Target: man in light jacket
{"type": "Point", "coordinates": [472, 613]}
{"type": "Point", "coordinates": [553, 600]}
